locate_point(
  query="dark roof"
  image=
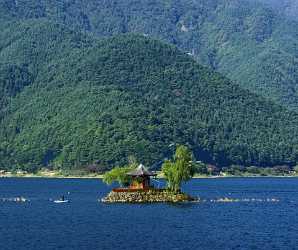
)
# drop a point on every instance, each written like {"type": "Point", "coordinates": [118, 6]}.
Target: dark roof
{"type": "Point", "coordinates": [141, 171]}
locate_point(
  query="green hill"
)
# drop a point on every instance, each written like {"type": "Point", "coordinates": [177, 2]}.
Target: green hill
{"type": "Point", "coordinates": [247, 42]}
{"type": "Point", "coordinates": [286, 8]}
{"type": "Point", "coordinates": [76, 100]}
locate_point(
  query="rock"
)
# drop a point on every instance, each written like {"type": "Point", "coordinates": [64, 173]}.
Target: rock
{"type": "Point", "coordinates": [15, 199]}
{"type": "Point", "coordinates": [144, 196]}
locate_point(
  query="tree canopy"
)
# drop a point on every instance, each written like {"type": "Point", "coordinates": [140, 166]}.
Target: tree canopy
{"type": "Point", "coordinates": [119, 175]}
{"type": "Point", "coordinates": [180, 169]}
{"type": "Point", "coordinates": [74, 100]}
{"type": "Point", "coordinates": [245, 40]}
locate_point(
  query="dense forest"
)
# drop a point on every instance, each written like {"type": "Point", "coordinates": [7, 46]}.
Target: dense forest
{"type": "Point", "coordinates": [69, 100]}
{"type": "Point", "coordinates": [250, 43]}
{"type": "Point", "coordinates": [286, 8]}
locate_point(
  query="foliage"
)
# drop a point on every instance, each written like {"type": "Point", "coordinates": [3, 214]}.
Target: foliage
{"type": "Point", "coordinates": [286, 8]}
{"type": "Point", "coordinates": [180, 169]}
{"type": "Point", "coordinates": [201, 168]}
{"type": "Point", "coordinates": [253, 170]}
{"type": "Point", "coordinates": [118, 174]}
{"type": "Point", "coordinates": [246, 41]}
{"type": "Point", "coordinates": [257, 171]}
{"type": "Point", "coordinates": [234, 170]}
{"type": "Point", "coordinates": [74, 100]}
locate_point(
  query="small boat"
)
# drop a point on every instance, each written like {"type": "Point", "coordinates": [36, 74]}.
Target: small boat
{"type": "Point", "coordinates": [61, 201]}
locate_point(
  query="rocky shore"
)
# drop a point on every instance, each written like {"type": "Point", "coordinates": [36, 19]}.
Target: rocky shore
{"type": "Point", "coordinates": [148, 196]}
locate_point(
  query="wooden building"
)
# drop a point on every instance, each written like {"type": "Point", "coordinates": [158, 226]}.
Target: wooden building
{"type": "Point", "coordinates": [140, 178]}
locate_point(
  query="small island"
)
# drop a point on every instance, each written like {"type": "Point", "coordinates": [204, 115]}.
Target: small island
{"type": "Point", "coordinates": [136, 186]}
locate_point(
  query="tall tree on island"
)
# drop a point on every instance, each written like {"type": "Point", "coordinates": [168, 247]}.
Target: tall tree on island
{"type": "Point", "coordinates": [178, 170]}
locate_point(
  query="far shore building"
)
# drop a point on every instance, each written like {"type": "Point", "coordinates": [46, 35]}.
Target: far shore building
{"type": "Point", "coordinates": [140, 178]}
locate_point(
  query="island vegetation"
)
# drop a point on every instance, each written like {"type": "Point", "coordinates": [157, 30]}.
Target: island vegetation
{"type": "Point", "coordinates": [176, 172]}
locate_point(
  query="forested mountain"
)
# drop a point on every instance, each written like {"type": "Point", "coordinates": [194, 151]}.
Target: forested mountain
{"type": "Point", "coordinates": [242, 39]}
{"type": "Point", "coordinates": [71, 99]}
{"type": "Point", "coordinates": [286, 8]}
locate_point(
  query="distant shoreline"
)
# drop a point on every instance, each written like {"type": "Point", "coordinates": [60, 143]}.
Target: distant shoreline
{"type": "Point", "coordinates": [49, 174]}
{"type": "Point", "coordinates": [100, 176]}
{"type": "Point", "coordinates": [52, 176]}
{"type": "Point", "coordinates": [247, 176]}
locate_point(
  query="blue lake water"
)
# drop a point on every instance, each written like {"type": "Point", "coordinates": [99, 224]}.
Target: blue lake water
{"type": "Point", "coordinates": [264, 217]}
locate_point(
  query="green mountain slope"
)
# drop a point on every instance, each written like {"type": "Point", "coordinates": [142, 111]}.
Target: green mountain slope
{"type": "Point", "coordinates": [21, 62]}
{"type": "Point", "coordinates": [88, 100]}
{"type": "Point", "coordinates": [286, 8]}
{"type": "Point", "coordinates": [242, 39]}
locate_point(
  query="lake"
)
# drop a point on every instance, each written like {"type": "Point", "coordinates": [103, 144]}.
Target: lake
{"type": "Point", "coordinates": [262, 215]}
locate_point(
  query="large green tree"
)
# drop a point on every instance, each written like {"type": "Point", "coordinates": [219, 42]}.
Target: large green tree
{"type": "Point", "coordinates": [180, 169]}
{"type": "Point", "coordinates": [119, 175]}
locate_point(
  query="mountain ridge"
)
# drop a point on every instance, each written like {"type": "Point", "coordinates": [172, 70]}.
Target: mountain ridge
{"type": "Point", "coordinates": [241, 39]}
{"type": "Point", "coordinates": [105, 100]}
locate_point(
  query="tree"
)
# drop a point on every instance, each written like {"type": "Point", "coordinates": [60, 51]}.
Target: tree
{"type": "Point", "coordinates": [253, 170]}
{"type": "Point", "coordinates": [201, 168]}
{"type": "Point", "coordinates": [118, 174]}
{"type": "Point", "coordinates": [179, 170]}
